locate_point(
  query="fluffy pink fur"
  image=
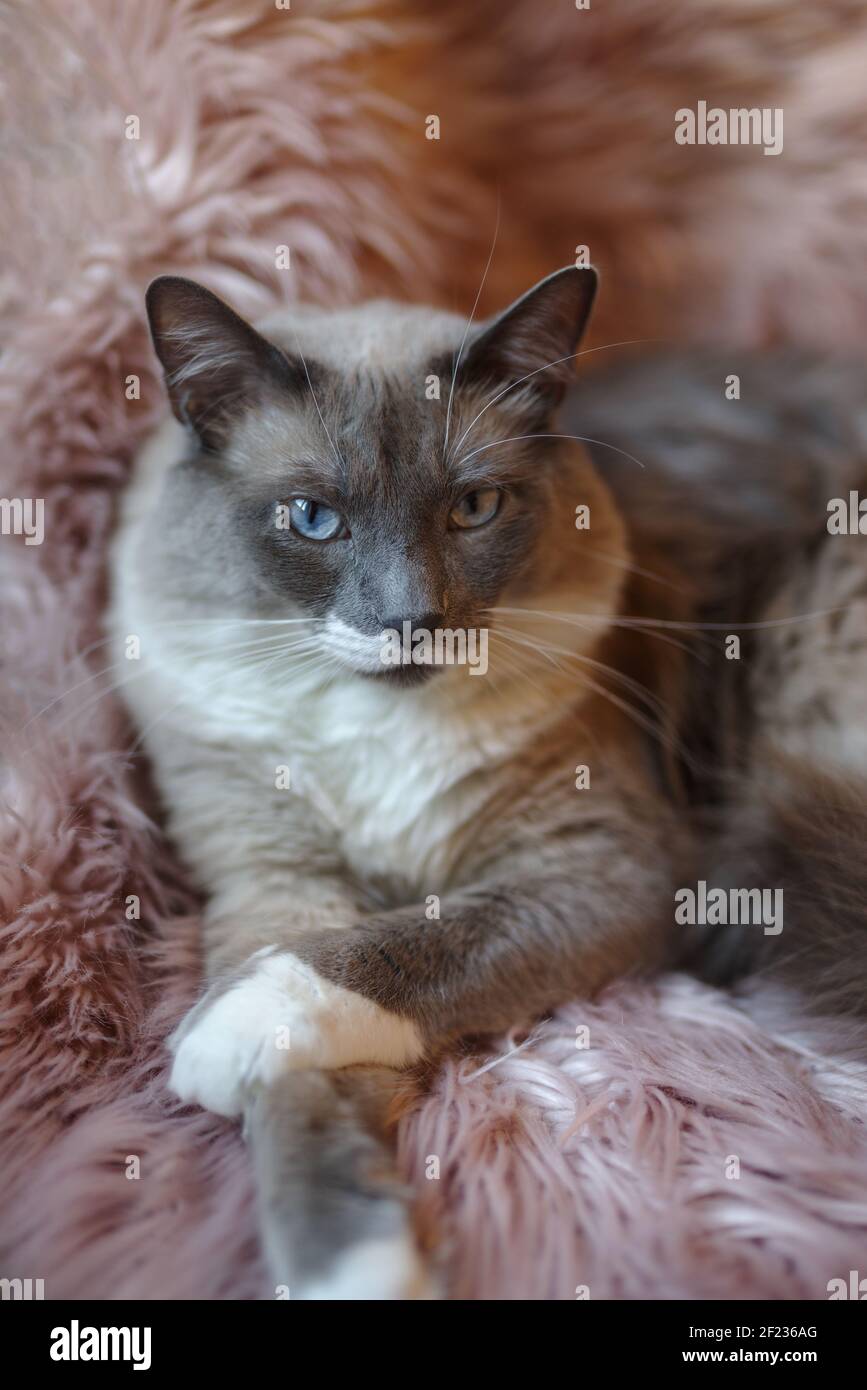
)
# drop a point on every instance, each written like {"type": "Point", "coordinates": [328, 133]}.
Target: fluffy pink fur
{"type": "Point", "coordinates": [559, 1166]}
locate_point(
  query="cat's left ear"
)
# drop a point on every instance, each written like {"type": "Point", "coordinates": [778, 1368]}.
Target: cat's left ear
{"type": "Point", "coordinates": [536, 337]}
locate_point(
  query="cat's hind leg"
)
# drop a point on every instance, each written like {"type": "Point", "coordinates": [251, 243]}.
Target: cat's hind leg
{"type": "Point", "coordinates": [797, 821]}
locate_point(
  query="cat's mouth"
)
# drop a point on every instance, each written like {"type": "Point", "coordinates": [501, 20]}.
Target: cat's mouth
{"type": "Point", "coordinates": [400, 658]}
{"type": "Point", "coordinates": [402, 676]}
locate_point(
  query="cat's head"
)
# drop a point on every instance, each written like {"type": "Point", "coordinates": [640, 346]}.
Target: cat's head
{"type": "Point", "coordinates": [372, 467]}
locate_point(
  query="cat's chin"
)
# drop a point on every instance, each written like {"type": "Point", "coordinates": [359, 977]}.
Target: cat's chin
{"type": "Point", "coordinates": [408, 677]}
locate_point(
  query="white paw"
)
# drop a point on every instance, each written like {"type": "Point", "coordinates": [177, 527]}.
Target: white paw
{"type": "Point", "coordinates": [389, 1270]}
{"type": "Point", "coordinates": [280, 1015]}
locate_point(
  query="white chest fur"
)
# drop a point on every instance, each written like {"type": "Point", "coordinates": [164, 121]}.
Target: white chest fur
{"type": "Point", "coordinates": [400, 777]}
{"type": "Point", "coordinates": [395, 775]}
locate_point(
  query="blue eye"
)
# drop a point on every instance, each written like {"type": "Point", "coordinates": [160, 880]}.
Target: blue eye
{"type": "Point", "coordinates": [476, 508]}
{"type": "Point", "coordinates": [314, 520]}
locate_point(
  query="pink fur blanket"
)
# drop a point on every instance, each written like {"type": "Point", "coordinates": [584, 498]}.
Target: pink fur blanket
{"type": "Point", "coordinates": [698, 1145]}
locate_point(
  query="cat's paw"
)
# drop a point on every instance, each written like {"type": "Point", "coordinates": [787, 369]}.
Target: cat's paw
{"type": "Point", "coordinates": [278, 1014]}
{"type": "Point", "coordinates": [376, 1270]}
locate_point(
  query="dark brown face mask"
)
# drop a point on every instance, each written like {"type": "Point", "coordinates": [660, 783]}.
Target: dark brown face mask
{"type": "Point", "coordinates": [374, 499]}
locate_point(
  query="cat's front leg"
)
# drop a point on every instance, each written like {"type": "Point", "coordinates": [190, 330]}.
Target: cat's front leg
{"type": "Point", "coordinates": [496, 957]}
{"type": "Point", "coordinates": [272, 1039]}
{"type": "Point", "coordinates": [548, 921]}
{"type": "Point", "coordinates": [329, 988]}
{"type": "Point", "coordinates": [395, 983]}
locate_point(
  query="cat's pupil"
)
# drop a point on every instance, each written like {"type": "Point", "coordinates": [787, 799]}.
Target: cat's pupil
{"type": "Point", "coordinates": [477, 507]}
{"type": "Point", "coordinates": [315, 520]}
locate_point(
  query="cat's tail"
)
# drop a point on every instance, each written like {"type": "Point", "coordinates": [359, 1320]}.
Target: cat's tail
{"type": "Point", "coordinates": [802, 833]}
{"type": "Point", "coordinates": [335, 1219]}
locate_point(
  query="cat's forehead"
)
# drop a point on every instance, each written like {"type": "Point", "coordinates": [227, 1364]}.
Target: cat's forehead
{"type": "Point", "coordinates": [380, 419]}
{"type": "Point", "coordinates": [361, 431]}
{"type": "Point", "coordinates": [375, 337]}
{"type": "Point", "coordinates": [371, 416]}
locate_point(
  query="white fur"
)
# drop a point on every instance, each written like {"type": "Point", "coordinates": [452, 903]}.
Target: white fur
{"type": "Point", "coordinates": [360, 650]}
{"type": "Point", "coordinates": [281, 1016]}
{"type": "Point", "coordinates": [388, 1270]}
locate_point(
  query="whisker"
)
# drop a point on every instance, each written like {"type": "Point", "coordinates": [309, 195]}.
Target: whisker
{"type": "Point", "coordinates": [235, 622]}
{"type": "Point", "coordinates": [193, 622]}
{"type": "Point", "coordinates": [189, 695]}
{"type": "Point", "coordinates": [581, 438]}
{"type": "Point", "coordinates": [575, 620]}
{"type": "Point", "coordinates": [63, 694]}
{"type": "Point", "coordinates": [686, 626]}
{"type": "Point", "coordinates": [570, 356]}
{"type": "Point", "coordinates": [301, 644]}
{"type": "Point", "coordinates": [650, 727]}
{"type": "Point", "coordinates": [632, 568]}
{"type": "Point", "coordinates": [249, 644]}
{"type": "Point", "coordinates": [316, 403]}
{"type": "Point", "coordinates": [518, 667]}
{"type": "Point", "coordinates": [628, 682]}
{"type": "Point", "coordinates": [117, 665]}
{"type": "Point", "coordinates": [467, 329]}
{"type": "Point", "coordinates": [94, 700]}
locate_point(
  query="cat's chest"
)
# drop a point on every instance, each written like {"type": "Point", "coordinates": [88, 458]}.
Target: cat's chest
{"type": "Point", "coordinates": [399, 788]}
{"type": "Point", "coordinates": [391, 785]}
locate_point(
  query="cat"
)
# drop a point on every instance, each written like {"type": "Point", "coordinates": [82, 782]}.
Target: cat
{"type": "Point", "coordinates": [398, 856]}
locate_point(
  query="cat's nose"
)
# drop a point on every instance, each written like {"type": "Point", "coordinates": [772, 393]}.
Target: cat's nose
{"type": "Point", "coordinates": [429, 622]}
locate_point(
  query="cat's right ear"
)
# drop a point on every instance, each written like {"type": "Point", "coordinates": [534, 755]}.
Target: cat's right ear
{"type": "Point", "coordinates": [216, 365]}
{"type": "Point", "coordinates": [533, 343]}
